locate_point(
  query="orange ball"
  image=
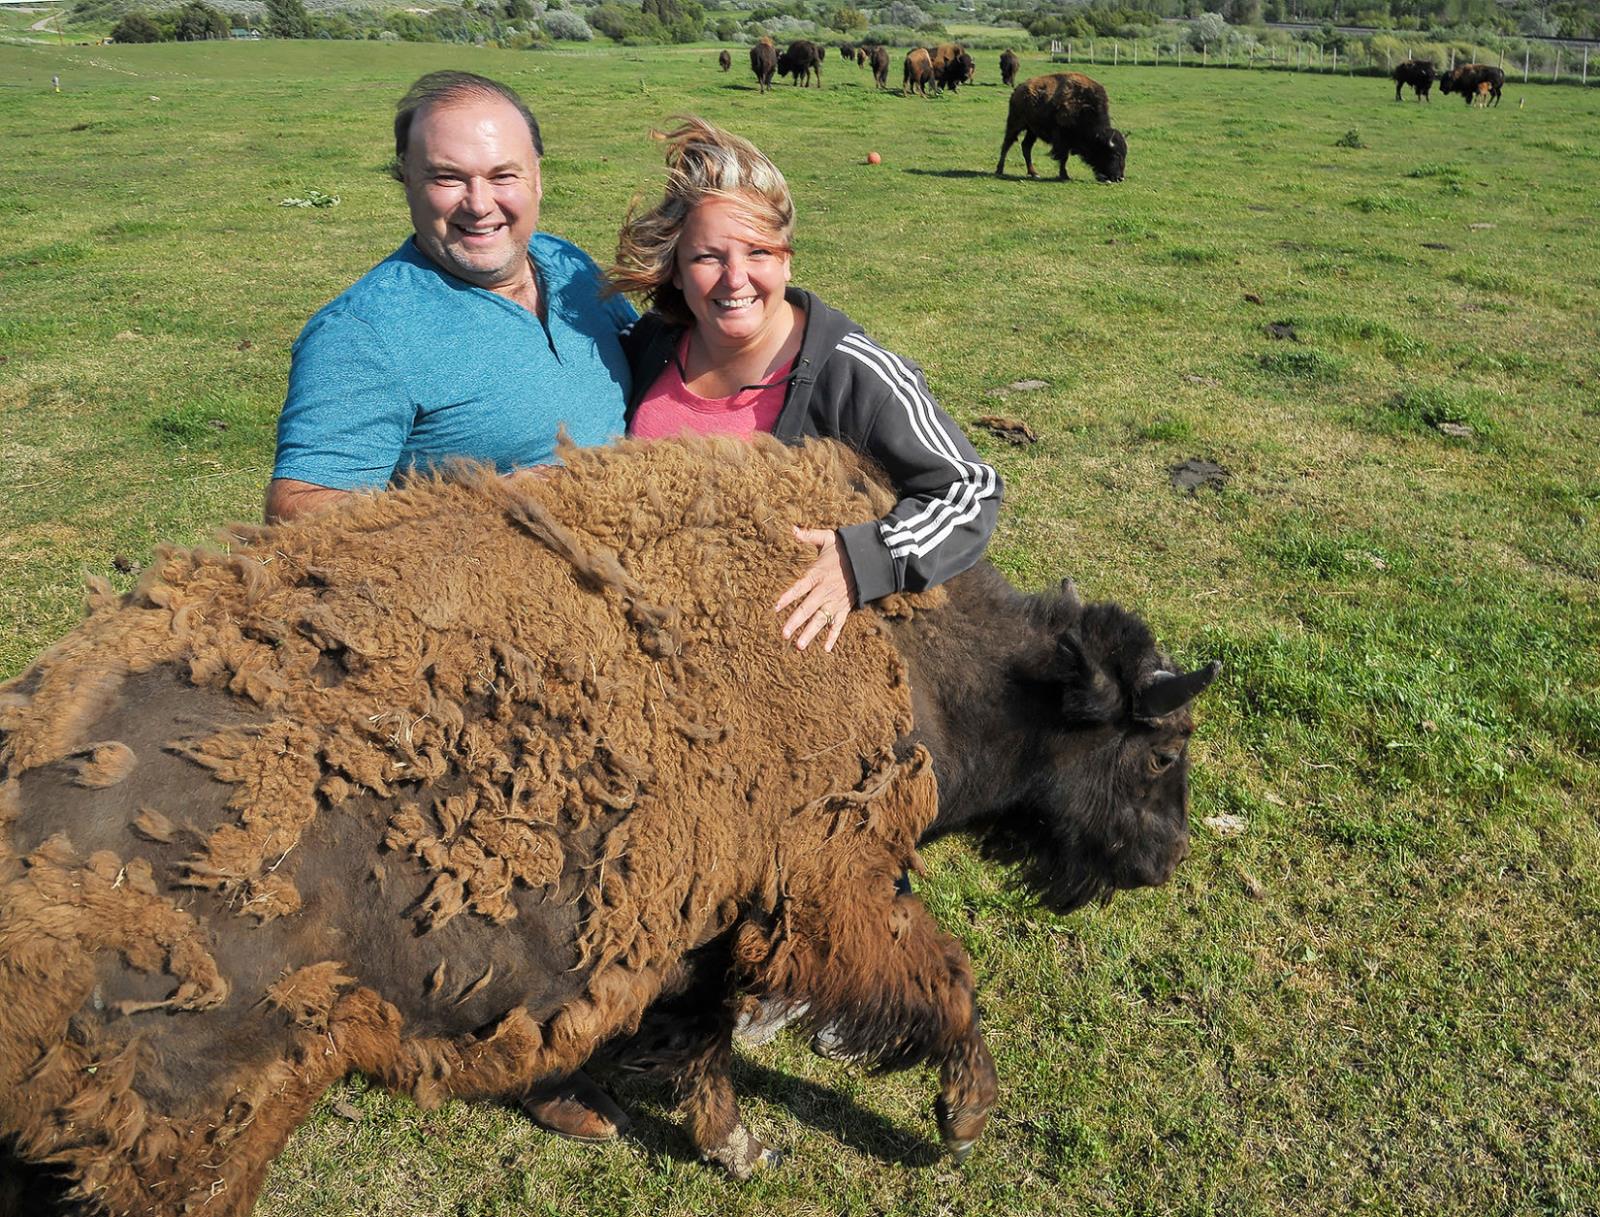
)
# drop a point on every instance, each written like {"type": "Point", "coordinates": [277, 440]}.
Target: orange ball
{"type": "Point", "coordinates": [874, 159]}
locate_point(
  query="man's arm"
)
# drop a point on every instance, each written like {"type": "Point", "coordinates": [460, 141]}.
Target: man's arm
{"type": "Point", "coordinates": [288, 499]}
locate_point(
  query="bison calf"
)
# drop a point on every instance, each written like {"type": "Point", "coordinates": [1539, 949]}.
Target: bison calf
{"type": "Point", "coordinates": [1008, 68]}
{"type": "Point", "coordinates": [1071, 114]}
{"type": "Point", "coordinates": [725, 61]}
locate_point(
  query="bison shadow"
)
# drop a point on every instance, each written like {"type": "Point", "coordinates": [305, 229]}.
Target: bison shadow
{"type": "Point", "coordinates": [648, 1099]}
{"type": "Point", "coordinates": [950, 173]}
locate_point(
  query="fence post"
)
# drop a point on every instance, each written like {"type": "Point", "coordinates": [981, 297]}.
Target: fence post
{"type": "Point", "coordinates": [1524, 65]}
{"type": "Point", "coordinates": [1116, 51]}
{"type": "Point", "coordinates": [1586, 67]}
{"type": "Point", "coordinates": [1091, 50]}
{"type": "Point", "coordinates": [1556, 75]}
{"type": "Point", "coordinates": [1335, 67]}
{"type": "Point", "coordinates": [1203, 55]}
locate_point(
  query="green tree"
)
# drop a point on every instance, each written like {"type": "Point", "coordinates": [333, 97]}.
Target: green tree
{"type": "Point", "coordinates": [847, 20]}
{"type": "Point", "coordinates": [136, 27]}
{"type": "Point", "coordinates": [288, 19]}
{"type": "Point", "coordinates": [198, 21]}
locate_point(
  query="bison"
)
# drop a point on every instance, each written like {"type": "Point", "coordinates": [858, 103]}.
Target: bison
{"type": "Point", "coordinates": [803, 61]}
{"type": "Point", "coordinates": [443, 787]}
{"type": "Point", "coordinates": [724, 61]}
{"type": "Point", "coordinates": [1008, 68]}
{"type": "Point", "coordinates": [952, 66]}
{"type": "Point", "coordinates": [847, 52]}
{"type": "Point", "coordinates": [764, 63]}
{"type": "Point", "coordinates": [1070, 113]}
{"type": "Point", "coordinates": [918, 72]}
{"type": "Point", "coordinates": [1466, 78]}
{"type": "Point", "coordinates": [1419, 74]}
{"type": "Point", "coordinates": [878, 57]}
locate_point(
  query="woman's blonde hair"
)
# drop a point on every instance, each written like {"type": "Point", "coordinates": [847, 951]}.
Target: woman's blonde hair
{"type": "Point", "coordinates": [703, 162]}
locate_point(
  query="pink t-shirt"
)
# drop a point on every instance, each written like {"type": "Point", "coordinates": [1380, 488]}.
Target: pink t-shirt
{"type": "Point", "coordinates": [669, 408]}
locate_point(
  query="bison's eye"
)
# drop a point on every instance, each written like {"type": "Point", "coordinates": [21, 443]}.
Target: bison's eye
{"type": "Point", "coordinates": [1160, 762]}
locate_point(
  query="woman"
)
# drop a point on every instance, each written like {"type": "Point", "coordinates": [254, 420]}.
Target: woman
{"type": "Point", "coordinates": [729, 348]}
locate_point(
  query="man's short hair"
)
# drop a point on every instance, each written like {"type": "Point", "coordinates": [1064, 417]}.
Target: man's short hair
{"type": "Point", "coordinates": [443, 88]}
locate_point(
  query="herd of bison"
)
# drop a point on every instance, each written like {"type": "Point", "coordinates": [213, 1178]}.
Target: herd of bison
{"type": "Point", "coordinates": [1067, 110]}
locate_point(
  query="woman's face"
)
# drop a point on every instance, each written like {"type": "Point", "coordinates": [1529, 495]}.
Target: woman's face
{"type": "Point", "coordinates": [732, 275]}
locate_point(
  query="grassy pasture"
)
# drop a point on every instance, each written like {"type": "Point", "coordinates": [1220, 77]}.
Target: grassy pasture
{"type": "Point", "coordinates": [1382, 994]}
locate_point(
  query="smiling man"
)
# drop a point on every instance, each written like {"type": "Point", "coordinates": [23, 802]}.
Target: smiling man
{"type": "Point", "coordinates": [479, 337]}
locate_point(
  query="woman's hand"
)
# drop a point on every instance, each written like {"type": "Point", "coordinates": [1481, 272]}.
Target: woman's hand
{"type": "Point", "coordinates": [823, 595]}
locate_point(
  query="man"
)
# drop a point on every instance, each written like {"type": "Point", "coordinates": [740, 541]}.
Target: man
{"type": "Point", "coordinates": [479, 337]}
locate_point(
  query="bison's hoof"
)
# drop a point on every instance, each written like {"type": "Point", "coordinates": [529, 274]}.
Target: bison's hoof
{"type": "Point", "coordinates": [960, 1150]}
{"type": "Point", "coordinates": [741, 1155]}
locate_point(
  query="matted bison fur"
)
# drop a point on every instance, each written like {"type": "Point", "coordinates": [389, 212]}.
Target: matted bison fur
{"type": "Point", "coordinates": [447, 786]}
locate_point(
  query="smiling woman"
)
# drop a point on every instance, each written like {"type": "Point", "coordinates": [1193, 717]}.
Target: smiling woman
{"type": "Point", "coordinates": [729, 348]}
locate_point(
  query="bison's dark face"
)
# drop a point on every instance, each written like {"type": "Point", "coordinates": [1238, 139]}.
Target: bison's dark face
{"type": "Point", "coordinates": [1104, 803]}
{"type": "Point", "coordinates": [1108, 155]}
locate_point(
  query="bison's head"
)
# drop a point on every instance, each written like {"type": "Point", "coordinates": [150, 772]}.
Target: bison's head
{"type": "Point", "coordinates": [1100, 800]}
{"type": "Point", "coordinates": [1107, 155]}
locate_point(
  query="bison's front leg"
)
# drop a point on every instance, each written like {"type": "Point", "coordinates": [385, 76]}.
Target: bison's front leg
{"type": "Point", "coordinates": [711, 1110]}
{"type": "Point", "coordinates": [689, 1036]}
{"type": "Point", "coordinates": [894, 991]}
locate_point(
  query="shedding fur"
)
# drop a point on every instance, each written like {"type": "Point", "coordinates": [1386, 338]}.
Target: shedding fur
{"type": "Point", "coordinates": [560, 699]}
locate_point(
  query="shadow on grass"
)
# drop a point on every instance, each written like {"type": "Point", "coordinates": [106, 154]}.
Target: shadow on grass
{"type": "Point", "coordinates": [646, 1097]}
{"type": "Point", "coordinates": [950, 173]}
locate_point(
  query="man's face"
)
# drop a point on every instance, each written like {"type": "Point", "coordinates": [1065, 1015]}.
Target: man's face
{"type": "Point", "coordinates": [472, 183]}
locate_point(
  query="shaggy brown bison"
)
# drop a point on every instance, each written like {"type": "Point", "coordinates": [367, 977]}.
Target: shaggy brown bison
{"type": "Point", "coordinates": [1071, 114]}
{"type": "Point", "coordinates": [878, 57]}
{"type": "Point", "coordinates": [918, 72]}
{"type": "Point", "coordinates": [1465, 79]}
{"type": "Point", "coordinates": [449, 785]}
{"type": "Point", "coordinates": [1008, 68]}
{"type": "Point", "coordinates": [764, 63]}
{"type": "Point", "coordinates": [952, 66]}
{"type": "Point", "coordinates": [1419, 74]}
{"type": "Point", "coordinates": [724, 61]}
{"type": "Point", "coordinates": [803, 61]}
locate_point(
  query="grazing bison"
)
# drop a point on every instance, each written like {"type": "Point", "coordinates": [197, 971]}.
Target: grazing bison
{"type": "Point", "coordinates": [861, 57]}
{"type": "Point", "coordinates": [725, 61]}
{"type": "Point", "coordinates": [764, 63]}
{"type": "Point", "coordinates": [952, 66]}
{"type": "Point", "coordinates": [533, 796]}
{"type": "Point", "coordinates": [1419, 74]}
{"type": "Point", "coordinates": [803, 61]}
{"type": "Point", "coordinates": [1008, 68]}
{"type": "Point", "coordinates": [847, 52]}
{"type": "Point", "coordinates": [879, 58]}
{"type": "Point", "coordinates": [1070, 113]}
{"type": "Point", "coordinates": [918, 72]}
{"type": "Point", "coordinates": [1465, 79]}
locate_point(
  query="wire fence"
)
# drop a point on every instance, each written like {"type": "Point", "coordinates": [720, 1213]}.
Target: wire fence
{"type": "Point", "coordinates": [1524, 62]}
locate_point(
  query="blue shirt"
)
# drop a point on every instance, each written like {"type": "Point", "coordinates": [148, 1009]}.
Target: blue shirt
{"type": "Point", "coordinates": [412, 365]}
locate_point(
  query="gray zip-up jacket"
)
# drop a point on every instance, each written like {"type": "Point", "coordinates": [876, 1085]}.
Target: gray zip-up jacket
{"type": "Point", "coordinates": [846, 387]}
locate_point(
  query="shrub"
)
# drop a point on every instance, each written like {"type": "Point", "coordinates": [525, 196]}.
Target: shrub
{"type": "Point", "coordinates": [567, 27]}
{"type": "Point", "coordinates": [1350, 139]}
{"type": "Point", "coordinates": [135, 27]}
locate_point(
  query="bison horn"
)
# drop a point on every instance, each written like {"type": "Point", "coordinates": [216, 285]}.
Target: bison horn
{"type": "Point", "coordinates": [1069, 593]}
{"type": "Point", "coordinates": [1167, 691]}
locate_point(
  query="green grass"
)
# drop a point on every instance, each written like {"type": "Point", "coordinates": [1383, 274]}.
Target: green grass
{"type": "Point", "coordinates": [1383, 994]}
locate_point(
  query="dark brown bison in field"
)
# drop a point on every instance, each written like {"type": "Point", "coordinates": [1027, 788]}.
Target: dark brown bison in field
{"type": "Point", "coordinates": [450, 784]}
{"type": "Point", "coordinates": [917, 73]}
{"type": "Point", "coordinates": [725, 61]}
{"type": "Point", "coordinates": [878, 57]}
{"type": "Point", "coordinates": [952, 66]}
{"type": "Point", "coordinates": [1465, 79]}
{"type": "Point", "coordinates": [1419, 74]}
{"type": "Point", "coordinates": [1008, 68]}
{"type": "Point", "coordinates": [764, 63]}
{"type": "Point", "coordinates": [803, 61]}
{"type": "Point", "coordinates": [847, 52]}
{"type": "Point", "coordinates": [861, 57]}
{"type": "Point", "coordinates": [1071, 114]}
